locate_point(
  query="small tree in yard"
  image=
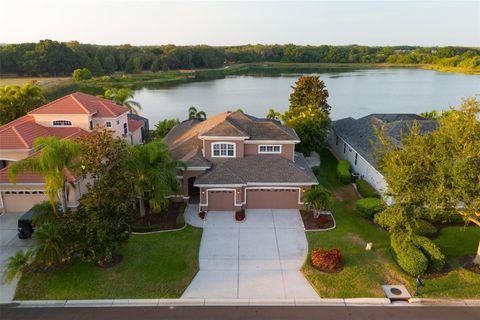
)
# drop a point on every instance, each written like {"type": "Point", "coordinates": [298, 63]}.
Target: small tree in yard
{"type": "Point", "coordinates": [56, 157]}
{"type": "Point", "coordinates": [310, 91]}
{"type": "Point", "coordinates": [434, 174]}
{"type": "Point", "coordinates": [318, 199]}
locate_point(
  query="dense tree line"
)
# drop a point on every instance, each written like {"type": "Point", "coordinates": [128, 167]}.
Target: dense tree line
{"type": "Point", "coordinates": [54, 58]}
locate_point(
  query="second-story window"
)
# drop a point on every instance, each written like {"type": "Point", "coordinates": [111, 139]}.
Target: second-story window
{"type": "Point", "coordinates": [62, 123]}
{"type": "Point", "coordinates": [125, 128]}
{"type": "Point", "coordinates": [108, 124]}
{"type": "Point", "coordinates": [223, 149]}
{"type": "Point", "coordinates": [269, 149]}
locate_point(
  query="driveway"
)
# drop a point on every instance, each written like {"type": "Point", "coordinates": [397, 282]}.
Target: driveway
{"type": "Point", "coordinates": [259, 258]}
{"type": "Point", "coordinates": [9, 245]}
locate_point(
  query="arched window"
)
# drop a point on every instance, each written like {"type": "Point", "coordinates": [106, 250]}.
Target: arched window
{"type": "Point", "coordinates": [62, 123]}
{"type": "Point", "coordinates": [223, 150]}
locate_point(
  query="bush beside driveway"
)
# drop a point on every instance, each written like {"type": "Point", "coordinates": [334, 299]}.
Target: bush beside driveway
{"type": "Point", "coordinates": [154, 266]}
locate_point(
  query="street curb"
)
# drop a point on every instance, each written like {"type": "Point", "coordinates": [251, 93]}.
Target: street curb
{"type": "Point", "coordinates": [350, 302]}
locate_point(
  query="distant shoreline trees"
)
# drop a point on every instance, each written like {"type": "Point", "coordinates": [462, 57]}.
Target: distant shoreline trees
{"type": "Point", "coordinates": [55, 58]}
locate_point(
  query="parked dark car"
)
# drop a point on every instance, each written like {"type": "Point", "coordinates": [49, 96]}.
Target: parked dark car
{"type": "Point", "coordinates": [25, 225]}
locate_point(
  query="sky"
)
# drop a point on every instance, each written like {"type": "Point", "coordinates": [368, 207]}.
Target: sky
{"type": "Point", "coordinates": [153, 22]}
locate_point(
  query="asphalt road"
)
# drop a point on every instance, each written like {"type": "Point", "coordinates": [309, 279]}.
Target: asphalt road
{"type": "Point", "coordinates": [227, 313]}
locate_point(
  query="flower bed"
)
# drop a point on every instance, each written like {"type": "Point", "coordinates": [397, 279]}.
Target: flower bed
{"type": "Point", "coordinates": [327, 260]}
{"type": "Point", "coordinates": [467, 263]}
{"type": "Point", "coordinates": [170, 220]}
{"type": "Point", "coordinates": [324, 221]}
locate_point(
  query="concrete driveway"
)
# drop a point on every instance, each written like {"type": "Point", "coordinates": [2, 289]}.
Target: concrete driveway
{"type": "Point", "coordinates": [259, 258]}
{"type": "Point", "coordinates": [9, 245]}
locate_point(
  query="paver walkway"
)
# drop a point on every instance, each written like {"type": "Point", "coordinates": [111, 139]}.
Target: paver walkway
{"type": "Point", "coordinates": [9, 245]}
{"type": "Point", "coordinates": [259, 258]}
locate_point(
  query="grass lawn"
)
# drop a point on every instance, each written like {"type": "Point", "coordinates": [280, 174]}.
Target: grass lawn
{"type": "Point", "coordinates": [154, 266]}
{"type": "Point", "coordinates": [365, 271]}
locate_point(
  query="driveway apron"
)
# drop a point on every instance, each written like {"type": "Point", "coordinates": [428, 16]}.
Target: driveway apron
{"type": "Point", "coordinates": [259, 258]}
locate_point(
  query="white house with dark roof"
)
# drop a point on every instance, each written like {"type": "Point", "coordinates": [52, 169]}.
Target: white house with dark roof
{"type": "Point", "coordinates": [236, 161]}
{"type": "Point", "coordinates": [354, 140]}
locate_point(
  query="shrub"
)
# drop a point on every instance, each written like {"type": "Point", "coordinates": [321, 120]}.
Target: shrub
{"type": "Point", "coordinates": [343, 171]}
{"type": "Point", "coordinates": [368, 207]}
{"type": "Point", "coordinates": [436, 259]}
{"type": "Point", "coordinates": [81, 74]}
{"type": "Point", "coordinates": [366, 190]}
{"type": "Point", "coordinates": [424, 228]}
{"type": "Point", "coordinates": [408, 256]}
{"type": "Point", "coordinates": [326, 259]}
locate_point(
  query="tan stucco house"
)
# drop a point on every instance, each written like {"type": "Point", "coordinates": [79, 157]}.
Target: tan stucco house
{"type": "Point", "coordinates": [236, 161]}
{"type": "Point", "coordinates": [69, 117]}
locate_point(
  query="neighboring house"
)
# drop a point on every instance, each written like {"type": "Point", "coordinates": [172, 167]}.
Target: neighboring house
{"type": "Point", "coordinates": [236, 161]}
{"type": "Point", "coordinates": [69, 117]}
{"type": "Point", "coordinates": [355, 140]}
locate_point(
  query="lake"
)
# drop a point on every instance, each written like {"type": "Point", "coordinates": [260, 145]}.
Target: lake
{"type": "Point", "coordinates": [353, 93]}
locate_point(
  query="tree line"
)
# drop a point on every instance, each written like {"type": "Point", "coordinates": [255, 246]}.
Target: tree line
{"type": "Point", "coordinates": [53, 58]}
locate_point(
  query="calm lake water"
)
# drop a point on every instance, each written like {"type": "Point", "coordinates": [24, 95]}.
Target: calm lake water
{"type": "Point", "coordinates": [353, 93]}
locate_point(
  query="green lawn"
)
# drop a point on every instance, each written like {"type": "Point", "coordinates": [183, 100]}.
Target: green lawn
{"type": "Point", "coordinates": [364, 272]}
{"type": "Point", "coordinates": [154, 266]}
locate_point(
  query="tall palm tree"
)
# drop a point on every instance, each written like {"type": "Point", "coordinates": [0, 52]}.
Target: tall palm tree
{"type": "Point", "coordinates": [154, 176]}
{"type": "Point", "coordinates": [54, 158]}
{"type": "Point", "coordinates": [194, 114]}
{"type": "Point", "coordinates": [124, 97]}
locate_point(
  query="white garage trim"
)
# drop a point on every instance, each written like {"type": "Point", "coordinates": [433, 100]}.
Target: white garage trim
{"type": "Point", "coordinates": [223, 189]}
{"type": "Point", "coordinates": [283, 188]}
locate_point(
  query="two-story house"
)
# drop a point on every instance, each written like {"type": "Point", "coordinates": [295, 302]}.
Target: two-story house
{"type": "Point", "coordinates": [235, 161]}
{"type": "Point", "coordinates": [69, 117]}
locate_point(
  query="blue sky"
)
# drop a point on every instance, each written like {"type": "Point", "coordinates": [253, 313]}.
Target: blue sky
{"type": "Point", "coordinates": [144, 22]}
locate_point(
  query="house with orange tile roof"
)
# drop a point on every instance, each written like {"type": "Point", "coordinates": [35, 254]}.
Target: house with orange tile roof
{"type": "Point", "coordinates": [69, 117]}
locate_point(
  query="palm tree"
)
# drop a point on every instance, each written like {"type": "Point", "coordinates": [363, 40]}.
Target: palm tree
{"type": "Point", "coordinates": [55, 157]}
{"type": "Point", "coordinates": [43, 213]}
{"type": "Point", "coordinates": [318, 199]}
{"type": "Point", "coordinates": [194, 114]}
{"type": "Point", "coordinates": [18, 264]}
{"type": "Point", "coordinates": [124, 97]}
{"type": "Point", "coordinates": [154, 176]}
{"type": "Point", "coordinates": [16, 101]}
{"type": "Point", "coordinates": [49, 244]}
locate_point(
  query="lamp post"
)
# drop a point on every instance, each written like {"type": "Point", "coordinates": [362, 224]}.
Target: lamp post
{"type": "Point", "coordinates": [419, 283]}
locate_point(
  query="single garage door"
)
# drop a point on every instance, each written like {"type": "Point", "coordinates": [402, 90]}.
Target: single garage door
{"type": "Point", "coordinates": [272, 198]}
{"type": "Point", "coordinates": [21, 202]}
{"type": "Point", "coordinates": [220, 200]}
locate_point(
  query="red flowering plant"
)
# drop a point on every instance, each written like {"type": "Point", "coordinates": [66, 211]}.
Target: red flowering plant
{"type": "Point", "coordinates": [329, 260]}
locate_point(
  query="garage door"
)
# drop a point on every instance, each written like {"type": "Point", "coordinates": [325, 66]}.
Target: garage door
{"type": "Point", "coordinates": [16, 202]}
{"type": "Point", "coordinates": [220, 200]}
{"type": "Point", "coordinates": [272, 198]}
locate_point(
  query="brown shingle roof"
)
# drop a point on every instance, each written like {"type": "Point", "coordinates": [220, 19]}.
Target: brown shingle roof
{"type": "Point", "coordinates": [259, 169]}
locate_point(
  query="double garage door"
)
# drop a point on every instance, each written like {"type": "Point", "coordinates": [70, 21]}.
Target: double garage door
{"type": "Point", "coordinates": [16, 202]}
{"type": "Point", "coordinates": [272, 198]}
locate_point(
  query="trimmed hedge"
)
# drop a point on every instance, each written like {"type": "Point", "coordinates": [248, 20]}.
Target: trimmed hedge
{"type": "Point", "coordinates": [366, 190]}
{"type": "Point", "coordinates": [408, 256]}
{"type": "Point", "coordinates": [436, 259]}
{"type": "Point", "coordinates": [367, 207]}
{"type": "Point", "coordinates": [424, 228]}
{"type": "Point", "coordinates": [343, 172]}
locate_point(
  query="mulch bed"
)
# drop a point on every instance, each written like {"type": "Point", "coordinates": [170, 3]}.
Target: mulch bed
{"type": "Point", "coordinates": [240, 215]}
{"type": "Point", "coordinates": [467, 263]}
{"type": "Point", "coordinates": [159, 221]}
{"type": "Point", "coordinates": [116, 259]}
{"type": "Point", "coordinates": [338, 269]}
{"type": "Point", "coordinates": [312, 223]}
{"type": "Point", "coordinates": [437, 274]}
